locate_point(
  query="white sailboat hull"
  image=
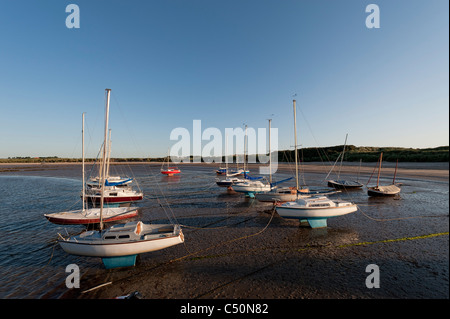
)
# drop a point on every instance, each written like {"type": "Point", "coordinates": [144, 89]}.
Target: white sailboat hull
{"type": "Point", "coordinates": [315, 210]}
{"type": "Point", "coordinates": [249, 187]}
{"type": "Point", "coordinates": [122, 240]}
{"type": "Point", "coordinates": [120, 249]}
{"type": "Point", "coordinates": [306, 212]}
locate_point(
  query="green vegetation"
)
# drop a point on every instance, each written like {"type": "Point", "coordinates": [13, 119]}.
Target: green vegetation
{"type": "Point", "coordinates": [325, 154]}
{"type": "Point", "coordinates": [368, 154]}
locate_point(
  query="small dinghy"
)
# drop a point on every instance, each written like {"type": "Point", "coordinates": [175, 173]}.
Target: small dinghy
{"type": "Point", "coordinates": [384, 190]}
{"type": "Point", "coordinates": [388, 190]}
{"type": "Point", "coordinates": [344, 184]}
{"type": "Point", "coordinates": [341, 183]}
{"type": "Point", "coordinates": [169, 171]}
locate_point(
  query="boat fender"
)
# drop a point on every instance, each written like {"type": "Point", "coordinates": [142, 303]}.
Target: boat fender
{"type": "Point", "coordinates": [138, 228]}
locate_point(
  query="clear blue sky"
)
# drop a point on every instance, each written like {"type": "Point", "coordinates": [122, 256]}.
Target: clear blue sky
{"type": "Point", "coordinates": [225, 63]}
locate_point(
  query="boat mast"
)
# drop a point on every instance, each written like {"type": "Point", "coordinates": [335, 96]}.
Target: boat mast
{"type": "Point", "coordinates": [245, 147]}
{"type": "Point", "coordinates": [82, 159]}
{"type": "Point", "coordinates": [226, 159]}
{"type": "Point", "coordinates": [395, 172]}
{"type": "Point", "coordinates": [102, 198]}
{"type": "Point", "coordinates": [270, 156]}
{"type": "Point", "coordinates": [379, 169]}
{"type": "Point", "coordinates": [295, 144]}
{"type": "Point", "coordinates": [342, 158]}
{"type": "Point", "coordinates": [109, 155]}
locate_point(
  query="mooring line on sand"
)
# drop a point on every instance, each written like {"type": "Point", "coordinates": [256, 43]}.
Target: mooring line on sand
{"type": "Point", "coordinates": [310, 247]}
{"type": "Point", "coordinates": [211, 291]}
{"type": "Point", "coordinates": [306, 248]}
{"type": "Point", "coordinates": [396, 218]}
{"type": "Point", "coordinates": [188, 255]}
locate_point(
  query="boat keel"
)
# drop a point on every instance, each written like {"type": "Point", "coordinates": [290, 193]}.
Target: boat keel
{"type": "Point", "coordinates": [121, 261]}
{"type": "Point", "coordinates": [317, 222]}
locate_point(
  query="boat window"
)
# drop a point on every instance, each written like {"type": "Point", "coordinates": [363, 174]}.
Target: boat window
{"type": "Point", "coordinates": [124, 236]}
{"type": "Point", "coordinates": [112, 194]}
{"type": "Point", "coordinates": [320, 205]}
{"type": "Point", "coordinates": [110, 237]}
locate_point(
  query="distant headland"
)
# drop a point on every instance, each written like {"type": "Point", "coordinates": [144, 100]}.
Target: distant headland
{"type": "Point", "coordinates": [312, 154]}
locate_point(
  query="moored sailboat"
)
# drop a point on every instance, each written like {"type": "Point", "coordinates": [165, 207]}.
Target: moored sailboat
{"type": "Point", "coordinates": [119, 245]}
{"type": "Point", "coordinates": [116, 190]}
{"type": "Point", "coordinates": [315, 209]}
{"type": "Point", "coordinates": [386, 190]}
{"type": "Point", "coordinates": [169, 171]}
{"type": "Point", "coordinates": [286, 194]}
{"type": "Point", "coordinates": [87, 216]}
{"type": "Point", "coordinates": [342, 183]}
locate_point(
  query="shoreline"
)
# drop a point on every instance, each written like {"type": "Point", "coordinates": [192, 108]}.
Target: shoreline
{"type": "Point", "coordinates": [426, 170]}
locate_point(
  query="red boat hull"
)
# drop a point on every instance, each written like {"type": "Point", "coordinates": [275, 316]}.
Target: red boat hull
{"type": "Point", "coordinates": [85, 221]}
{"type": "Point", "coordinates": [170, 173]}
{"type": "Point", "coordinates": [113, 199]}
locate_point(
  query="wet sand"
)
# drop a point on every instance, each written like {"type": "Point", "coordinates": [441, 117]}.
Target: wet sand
{"type": "Point", "coordinates": [239, 248]}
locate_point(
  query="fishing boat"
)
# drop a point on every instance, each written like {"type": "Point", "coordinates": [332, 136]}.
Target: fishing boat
{"type": "Point", "coordinates": [86, 216]}
{"type": "Point", "coordinates": [315, 210]}
{"type": "Point", "coordinates": [386, 190]}
{"type": "Point", "coordinates": [341, 183]}
{"type": "Point", "coordinates": [169, 171]}
{"type": "Point", "coordinates": [119, 245]}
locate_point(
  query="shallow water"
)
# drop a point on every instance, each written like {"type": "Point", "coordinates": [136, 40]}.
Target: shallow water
{"type": "Point", "coordinates": [32, 265]}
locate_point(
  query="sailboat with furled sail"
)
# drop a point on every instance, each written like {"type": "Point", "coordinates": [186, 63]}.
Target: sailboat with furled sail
{"type": "Point", "coordinates": [119, 245]}
{"type": "Point", "coordinates": [287, 194]}
{"type": "Point", "coordinates": [314, 209]}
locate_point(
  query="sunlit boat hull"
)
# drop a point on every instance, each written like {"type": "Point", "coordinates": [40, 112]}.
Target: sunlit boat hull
{"type": "Point", "coordinates": [91, 216]}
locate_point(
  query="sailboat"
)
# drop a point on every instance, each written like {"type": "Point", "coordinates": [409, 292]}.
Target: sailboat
{"type": "Point", "coordinates": [286, 194]}
{"type": "Point", "coordinates": [250, 185]}
{"type": "Point", "coordinates": [169, 171]}
{"type": "Point", "coordinates": [119, 245]}
{"type": "Point", "coordinates": [386, 190]}
{"type": "Point", "coordinates": [91, 215]}
{"type": "Point", "coordinates": [315, 209]}
{"type": "Point", "coordinates": [340, 183]}
{"type": "Point", "coordinates": [230, 178]}
{"type": "Point", "coordinates": [117, 190]}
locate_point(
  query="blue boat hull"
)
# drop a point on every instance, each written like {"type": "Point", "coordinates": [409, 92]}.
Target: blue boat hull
{"type": "Point", "coordinates": [121, 261]}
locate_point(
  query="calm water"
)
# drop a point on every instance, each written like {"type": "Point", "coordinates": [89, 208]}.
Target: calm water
{"type": "Point", "coordinates": [32, 265]}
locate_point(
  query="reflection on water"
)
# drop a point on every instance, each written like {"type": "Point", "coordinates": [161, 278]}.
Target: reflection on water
{"type": "Point", "coordinates": [32, 265]}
